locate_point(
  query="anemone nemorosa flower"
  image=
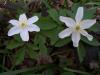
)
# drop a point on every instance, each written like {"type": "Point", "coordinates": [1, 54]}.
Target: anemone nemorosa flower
{"type": "Point", "coordinates": [76, 27]}
{"type": "Point", "coordinates": [23, 26]}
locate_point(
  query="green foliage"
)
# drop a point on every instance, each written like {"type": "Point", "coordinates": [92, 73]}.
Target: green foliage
{"type": "Point", "coordinates": [94, 42]}
{"type": "Point", "coordinates": [52, 34]}
{"type": "Point", "coordinates": [12, 44]}
{"type": "Point", "coordinates": [40, 40]}
{"type": "Point", "coordinates": [89, 15]}
{"type": "Point", "coordinates": [46, 23]}
{"type": "Point", "coordinates": [62, 42]}
{"type": "Point", "coordinates": [81, 52]}
{"type": "Point", "coordinates": [62, 12]}
{"type": "Point", "coordinates": [31, 51]}
{"type": "Point", "coordinates": [13, 50]}
{"type": "Point", "coordinates": [95, 28]}
{"type": "Point", "coordinates": [54, 15]}
{"type": "Point", "coordinates": [19, 57]}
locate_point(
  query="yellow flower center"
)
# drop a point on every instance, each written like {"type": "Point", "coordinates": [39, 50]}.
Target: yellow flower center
{"type": "Point", "coordinates": [77, 27]}
{"type": "Point", "coordinates": [23, 24]}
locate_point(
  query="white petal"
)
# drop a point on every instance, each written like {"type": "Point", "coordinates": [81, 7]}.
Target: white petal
{"type": "Point", "coordinates": [75, 38]}
{"type": "Point", "coordinates": [65, 33]}
{"type": "Point", "coordinates": [79, 14]}
{"type": "Point", "coordinates": [13, 31]}
{"type": "Point", "coordinates": [87, 23]}
{"type": "Point", "coordinates": [22, 17]}
{"type": "Point", "coordinates": [33, 27]}
{"type": "Point", "coordinates": [14, 22]}
{"type": "Point", "coordinates": [84, 33]}
{"type": "Point", "coordinates": [32, 20]}
{"type": "Point", "coordinates": [68, 21]}
{"type": "Point", "coordinates": [24, 35]}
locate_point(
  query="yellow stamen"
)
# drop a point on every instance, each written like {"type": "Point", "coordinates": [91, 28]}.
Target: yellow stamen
{"type": "Point", "coordinates": [77, 27]}
{"type": "Point", "coordinates": [23, 25]}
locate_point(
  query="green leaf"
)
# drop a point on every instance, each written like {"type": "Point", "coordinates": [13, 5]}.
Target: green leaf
{"type": "Point", "coordinates": [39, 38]}
{"type": "Point", "coordinates": [62, 12]}
{"type": "Point", "coordinates": [74, 9]}
{"type": "Point", "coordinates": [17, 38]}
{"type": "Point", "coordinates": [90, 13]}
{"type": "Point", "coordinates": [52, 34]}
{"type": "Point", "coordinates": [70, 14]}
{"type": "Point", "coordinates": [46, 23]}
{"type": "Point", "coordinates": [81, 52]}
{"type": "Point", "coordinates": [19, 57]}
{"type": "Point", "coordinates": [43, 48]}
{"type": "Point", "coordinates": [54, 15]}
{"type": "Point", "coordinates": [32, 46]}
{"type": "Point", "coordinates": [12, 44]}
{"type": "Point", "coordinates": [46, 4]}
{"type": "Point", "coordinates": [54, 39]}
{"type": "Point", "coordinates": [36, 41]}
{"type": "Point", "coordinates": [94, 42]}
{"type": "Point", "coordinates": [40, 41]}
{"type": "Point", "coordinates": [32, 51]}
{"type": "Point", "coordinates": [62, 42]}
{"type": "Point", "coordinates": [95, 28]}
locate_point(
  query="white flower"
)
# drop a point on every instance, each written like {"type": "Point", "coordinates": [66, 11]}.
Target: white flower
{"type": "Point", "coordinates": [23, 26]}
{"type": "Point", "coordinates": [76, 27]}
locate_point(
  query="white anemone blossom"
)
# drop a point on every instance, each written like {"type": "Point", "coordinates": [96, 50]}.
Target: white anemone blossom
{"type": "Point", "coordinates": [23, 26]}
{"type": "Point", "coordinates": [76, 27]}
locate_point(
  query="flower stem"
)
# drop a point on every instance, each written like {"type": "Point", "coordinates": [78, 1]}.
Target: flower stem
{"type": "Point", "coordinates": [76, 58]}
{"type": "Point", "coordinates": [78, 54]}
{"type": "Point", "coordinates": [78, 50]}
